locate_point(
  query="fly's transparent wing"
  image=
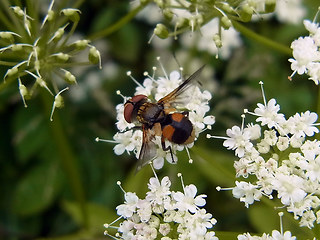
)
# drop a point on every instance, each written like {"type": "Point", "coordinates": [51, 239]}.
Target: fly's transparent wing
{"type": "Point", "coordinates": [148, 149]}
{"type": "Point", "coordinates": [176, 96]}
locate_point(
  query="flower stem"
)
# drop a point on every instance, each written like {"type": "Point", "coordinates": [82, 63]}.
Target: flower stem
{"type": "Point", "coordinates": [263, 40]}
{"type": "Point", "coordinates": [67, 157]}
{"type": "Point", "coordinates": [116, 26]}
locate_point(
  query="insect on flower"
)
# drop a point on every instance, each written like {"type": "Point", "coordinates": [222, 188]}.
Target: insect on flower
{"type": "Point", "coordinates": [161, 119]}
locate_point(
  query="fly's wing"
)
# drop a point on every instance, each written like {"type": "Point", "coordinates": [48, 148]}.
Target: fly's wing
{"type": "Point", "coordinates": [175, 97]}
{"type": "Point", "coordinates": [148, 149]}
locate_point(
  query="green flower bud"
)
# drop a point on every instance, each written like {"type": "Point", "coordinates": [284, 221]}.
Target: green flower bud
{"type": "Point", "coordinates": [225, 22]}
{"type": "Point", "coordinates": [246, 13]}
{"type": "Point", "coordinates": [9, 36]}
{"type": "Point", "coordinates": [11, 72]}
{"type": "Point", "coordinates": [217, 40]}
{"type": "Point", "coordinates": [227, 8]}
{"type": "Point", "coordinates": [25, 95]}
{"type": "Point", "coordinates": [69, 77]}
{"type": "Point", "coordinates": [43, 84]}
{"type": "Point", "coordinates": [168, 14]}
{"type": "Point", "coordinates": [17, 10]}
{"type": "Point", "coordinates": [50, 15]}
{"type": "Point", "coordinates": [160, 3]}
{"type": "Point", "coordinates": [58, 34]}
{"type": "Point", "coordinates": [270, 6]}
{"type": "Point", "coordinates": [16, 47]}
{"type": "Point", "coordinates": [81, 44]}
{"type": "Point", "coordinates": [62, 57]}
{"type": "Point", "coordinates": [161, 31]}
{"type": "Point", "coordinates": [72, 14]}
{"type": "Point", "coordinates": [199, 19]}
{"type": "Point", "coordinates": [94, 56]}
{"type": "Point", "coordinates": [58, 102]}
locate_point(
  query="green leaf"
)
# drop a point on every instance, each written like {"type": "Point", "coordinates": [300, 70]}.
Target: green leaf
{"type": "Point", "coordinates": [98, 215]}
{"type": "Point", "coordinates": [38, 188]}
{"type": "Point", "coordinates": [31, 133]}
{"type": "Point", "coordinates": [215, 165]}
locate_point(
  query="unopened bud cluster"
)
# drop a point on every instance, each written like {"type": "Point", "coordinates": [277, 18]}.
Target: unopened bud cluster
{"type": "Point", "coordinates": [40, 51]}
{"type": "Point", "coordinates": [192, 15]}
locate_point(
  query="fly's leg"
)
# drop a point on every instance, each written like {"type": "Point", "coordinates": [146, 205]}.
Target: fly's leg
{"type": "Point", "coordinates": [168, 148]}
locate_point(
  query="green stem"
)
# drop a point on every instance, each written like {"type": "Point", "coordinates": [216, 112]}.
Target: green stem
{"type": "Point", "coordinates": [263, 40]}
{"type": "Point", "coordinates": [106, 32]}
{"type": "Point", "coordinates": [67, 157]}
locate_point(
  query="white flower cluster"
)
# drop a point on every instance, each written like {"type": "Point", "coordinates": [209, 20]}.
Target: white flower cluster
{"type": "Point", "coordinates": [196, 102]}
{"type": "Point", "coordinates": [164, 214]}
{"type": "Point", "coordinates": [276, 235]}
{"type": "Point", "coordinates": [283, 159]}
{"type": "Point", "coordinates": [306, 54]}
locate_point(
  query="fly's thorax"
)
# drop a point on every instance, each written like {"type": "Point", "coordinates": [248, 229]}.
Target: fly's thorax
{"type": "Point", "coordinates": [150, 113]}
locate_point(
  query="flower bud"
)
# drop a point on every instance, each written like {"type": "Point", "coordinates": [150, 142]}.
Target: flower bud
{"type": "Point", "coordinates": [226, 22]}
{"type": "Point", "coordinates": [50, 15]}
{"type": "Point", "coordinates": [16, 47]}
{"type": "Point", "coordinates": [161, 31]}
{"type": "Point", "coordinates": [227, 8]}
{"type": "Point", "coordinates": [69, 77]}
{"type": "Point", "coordinates": [217, 40]}
{"type": "Point", "coordinates": [72, 14]}
{"type": "Point", "coordinates": [94, 56]}
{"type": "Point", "coordinates": [58, 102]}
{"type": "Point", "coordinates": [25, 95]}
{"type": "Point", "coordinates": [270, 6]}
{"type": "Point", "coordinates": [63, 57]}
{"type": "Point", "coordinates": [11, 72]}
{"type": "Point", "coordinates": [160, 3]}
{"type": "Point", "coordinates": [17, 10]}
{"type": "Point", "coordinates": [58, 34]}
{"type": "Point", "coordinates": [246, 13]}
{"type": "Point", "coordinates": [8, 36]}
{"type": "Point", "coordinates": [168, 14]}
{"type": "Point", "coordinates": [81, 44]}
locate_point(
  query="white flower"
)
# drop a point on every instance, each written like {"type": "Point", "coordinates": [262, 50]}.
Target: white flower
{"type": "Point", "coordinates": [303, 124]}
{"type": "Point", "coordinates": [290, 11]}
{"type": "Point", "coordinates": [188, 200]}
{"type": "Point", "coordinates": [306, 54]}
{"type": "Point", "coordinates": [276, 235]}
{"type": "Point", "coordinates": [142, 218]}
{"type": "Point", "coordinates": [129, 207]}
{"type": "Point", "coordinates": [268, 114]}
{"type": "Point", "coordinates": [238, 140]}
{"type": "Point", "coordinates": [158, 191]}
{"type": "Point", "coordinates": [127, 141]}
{"type": "Point", "coordinates": [289, 187]}
{"type": "Point", "coordinates": [246, 192]}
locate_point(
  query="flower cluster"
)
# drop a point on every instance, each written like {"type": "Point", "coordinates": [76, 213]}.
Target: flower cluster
{"type": "Point", "coordinates": [43, 50]}
{"type": "Point", "coordinates": [164, 214]}
{"type": "Point", "coordinates": [275, 235]}
{"type": "Point", "coordinates": [193, 100]}
{"type": "Point", "coordinates": [306, 54]}
{"type": "Point", "coordinates": [281, 158]}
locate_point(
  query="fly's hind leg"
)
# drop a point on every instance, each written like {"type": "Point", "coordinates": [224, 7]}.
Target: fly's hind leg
{"type": "Point", "coordinates": [167, 148]}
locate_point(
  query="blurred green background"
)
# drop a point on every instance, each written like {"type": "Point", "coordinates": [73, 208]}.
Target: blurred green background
{"type": "Point", "coordinates": [57, 182]}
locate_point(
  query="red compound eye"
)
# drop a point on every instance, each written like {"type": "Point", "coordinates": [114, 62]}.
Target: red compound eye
{"type": "Point", "coordinates": [129, 106]}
